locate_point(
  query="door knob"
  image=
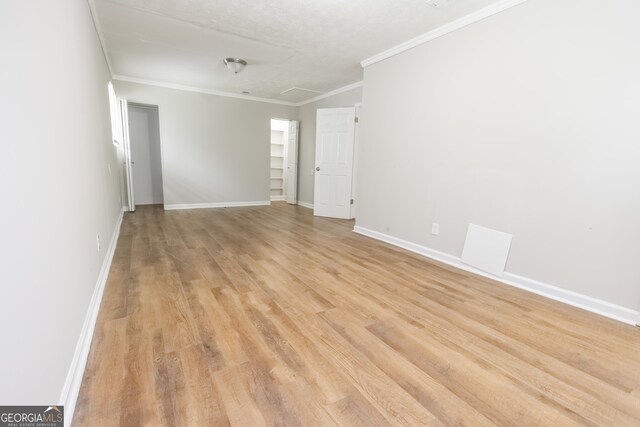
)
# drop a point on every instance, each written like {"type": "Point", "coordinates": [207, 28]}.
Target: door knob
{"type": "Point", "coordinates": [317, 168]}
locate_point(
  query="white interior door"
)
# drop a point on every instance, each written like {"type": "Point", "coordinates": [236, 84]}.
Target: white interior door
{"type": "Point", "coordinates": [126, 148]}
{"type": "Point", "coordinates": [334, 162]}
{"type": "Point", "coordinates": [291, 171]}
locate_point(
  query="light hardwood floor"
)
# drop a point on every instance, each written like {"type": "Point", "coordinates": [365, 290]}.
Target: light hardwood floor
{"type": "Point", "coordinates": [269, 316]}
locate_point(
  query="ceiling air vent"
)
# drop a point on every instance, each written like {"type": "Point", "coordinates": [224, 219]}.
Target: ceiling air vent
{"type": "Point", "coordinates": [300, 91]}
{"type": "Point", "coordinates": [297, 94]}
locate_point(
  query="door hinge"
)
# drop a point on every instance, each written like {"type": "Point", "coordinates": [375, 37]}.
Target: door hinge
{"type": "Point", "coordinates": [355, 119]}
{"type": "Point", "coordinates": [351, 201]}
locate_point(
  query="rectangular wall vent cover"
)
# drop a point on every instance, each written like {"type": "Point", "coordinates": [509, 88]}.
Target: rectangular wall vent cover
{"type": "Point", "coordinates": [486, 249]}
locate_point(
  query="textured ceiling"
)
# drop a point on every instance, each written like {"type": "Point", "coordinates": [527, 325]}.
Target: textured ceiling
{"type": "Point", "coordinates": [312, 44]}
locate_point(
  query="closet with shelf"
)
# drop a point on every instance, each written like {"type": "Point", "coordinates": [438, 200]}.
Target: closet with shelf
{"type": "Point", "coordinates": [279, 138]}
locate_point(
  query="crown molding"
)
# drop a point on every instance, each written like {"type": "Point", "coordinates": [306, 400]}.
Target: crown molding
{"type": "Point", "coordinates": [96, 24]}
{"type": "Point", "coordinates": [234, 95]}
{"type": "Point", "coordinates": [443, 30]}
{"type": "Point", "coordinates": [331, 93]}
{"type": "Point", "coordinates": [98, 28]}
{"type": "Point", "coordinates": [200, 90]}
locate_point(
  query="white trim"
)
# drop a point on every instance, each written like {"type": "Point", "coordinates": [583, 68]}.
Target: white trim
{"type": "Point", "coordinates": [354, 172]}
{"type": "Point", "coordinates": [96, 24]}
{"type": "Point", "coordinates": [575, 299]}
{"type": "Point", "coordinates": [199, 90]}
{"type": "Point", "coordinates": [126, 150]}
{"type": "Point", "coordinates": [331, 93]}
{"type": "Point", "coordinates": [71, 387]}
{"type": "Point", "coordinates": [215, 205]}
{"type": "Point", "coordinates": [305, 204]}
{"type": "Point", "coordinates": [277, 198]}
{"type": "Point", "coordinates": [443, 30]}
{"type": "Point", "coordinates": [234, 95]}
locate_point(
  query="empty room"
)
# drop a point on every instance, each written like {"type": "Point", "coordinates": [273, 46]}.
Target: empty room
{"type": "Point", "coordinates": [320, 213]}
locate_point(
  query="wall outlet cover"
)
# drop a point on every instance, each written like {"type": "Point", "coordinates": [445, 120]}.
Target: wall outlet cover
{"type": "Point", "coordinates": [435, 228]}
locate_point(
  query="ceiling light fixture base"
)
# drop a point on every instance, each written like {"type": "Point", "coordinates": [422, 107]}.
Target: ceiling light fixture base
{"type": "Point", "coordinates": [235, 64]}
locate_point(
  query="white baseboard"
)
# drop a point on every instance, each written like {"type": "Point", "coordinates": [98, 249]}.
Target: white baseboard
{"type": "Point", "coordinates": [575, 299]}
{"type": "Point", "coordinates": [305, 204]}
{"type": "Point", "coordinates": [216, 205]}
{"type": "Point", "coordinates": [277, 198]}
{"type": "Point", "coordinates": [71, 388]}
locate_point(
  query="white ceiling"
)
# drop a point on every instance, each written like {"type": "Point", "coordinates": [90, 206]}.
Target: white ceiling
{"type": "Point", "coordinates": [311, 44]}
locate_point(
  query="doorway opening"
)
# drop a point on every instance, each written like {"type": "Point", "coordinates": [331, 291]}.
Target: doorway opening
{"type": "Point", "coordinates": [144, 152]}
{"type": "Point", "coordinates": [283, 175]}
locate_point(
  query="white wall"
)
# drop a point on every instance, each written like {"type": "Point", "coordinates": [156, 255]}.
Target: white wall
{"type": "Point", "coordinates": [307, 136]}
{"type": "Point", "coordinates": [56, 189]}
{"type": "Point", "coordinates": [144, 136]}
{"type": "Point", "coordinates": [525, 122]}
{"type": "Point", "coordinates": [214, 149]}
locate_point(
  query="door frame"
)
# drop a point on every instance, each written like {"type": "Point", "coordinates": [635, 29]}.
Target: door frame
{"type": "Point", "coordinates": [285, 159]}
{"type": "Point", "coordinates": [350, 211]}
{"type": "Point", "coordinates": [292, 132]}
{"type": "Point", "coordinates": [157, 108]}
{"type": "Point", "coordinates": [356, 147]}
{"type": "Point", "coordinates": [126, 148]}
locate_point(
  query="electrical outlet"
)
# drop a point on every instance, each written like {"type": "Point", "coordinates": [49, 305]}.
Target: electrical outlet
{"type": "Point", "coordinates": [98, 241]}
{"type": "Point", "coordinates": [435, 228]}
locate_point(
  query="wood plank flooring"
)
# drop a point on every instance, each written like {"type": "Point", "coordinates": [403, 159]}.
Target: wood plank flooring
{"type": "Point", "coordinates": [269, 316]}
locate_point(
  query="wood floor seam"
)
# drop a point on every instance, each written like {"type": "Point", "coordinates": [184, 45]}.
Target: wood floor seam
{"type": "Point", "coordinates": [265, 316]}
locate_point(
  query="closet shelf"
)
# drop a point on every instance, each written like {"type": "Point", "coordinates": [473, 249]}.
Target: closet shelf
{"type": "Point", "coordinates": [277, 174]}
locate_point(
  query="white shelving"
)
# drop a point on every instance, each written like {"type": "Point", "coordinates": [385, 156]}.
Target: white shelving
{"type": "Point", "coordinates": [276, 182]}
